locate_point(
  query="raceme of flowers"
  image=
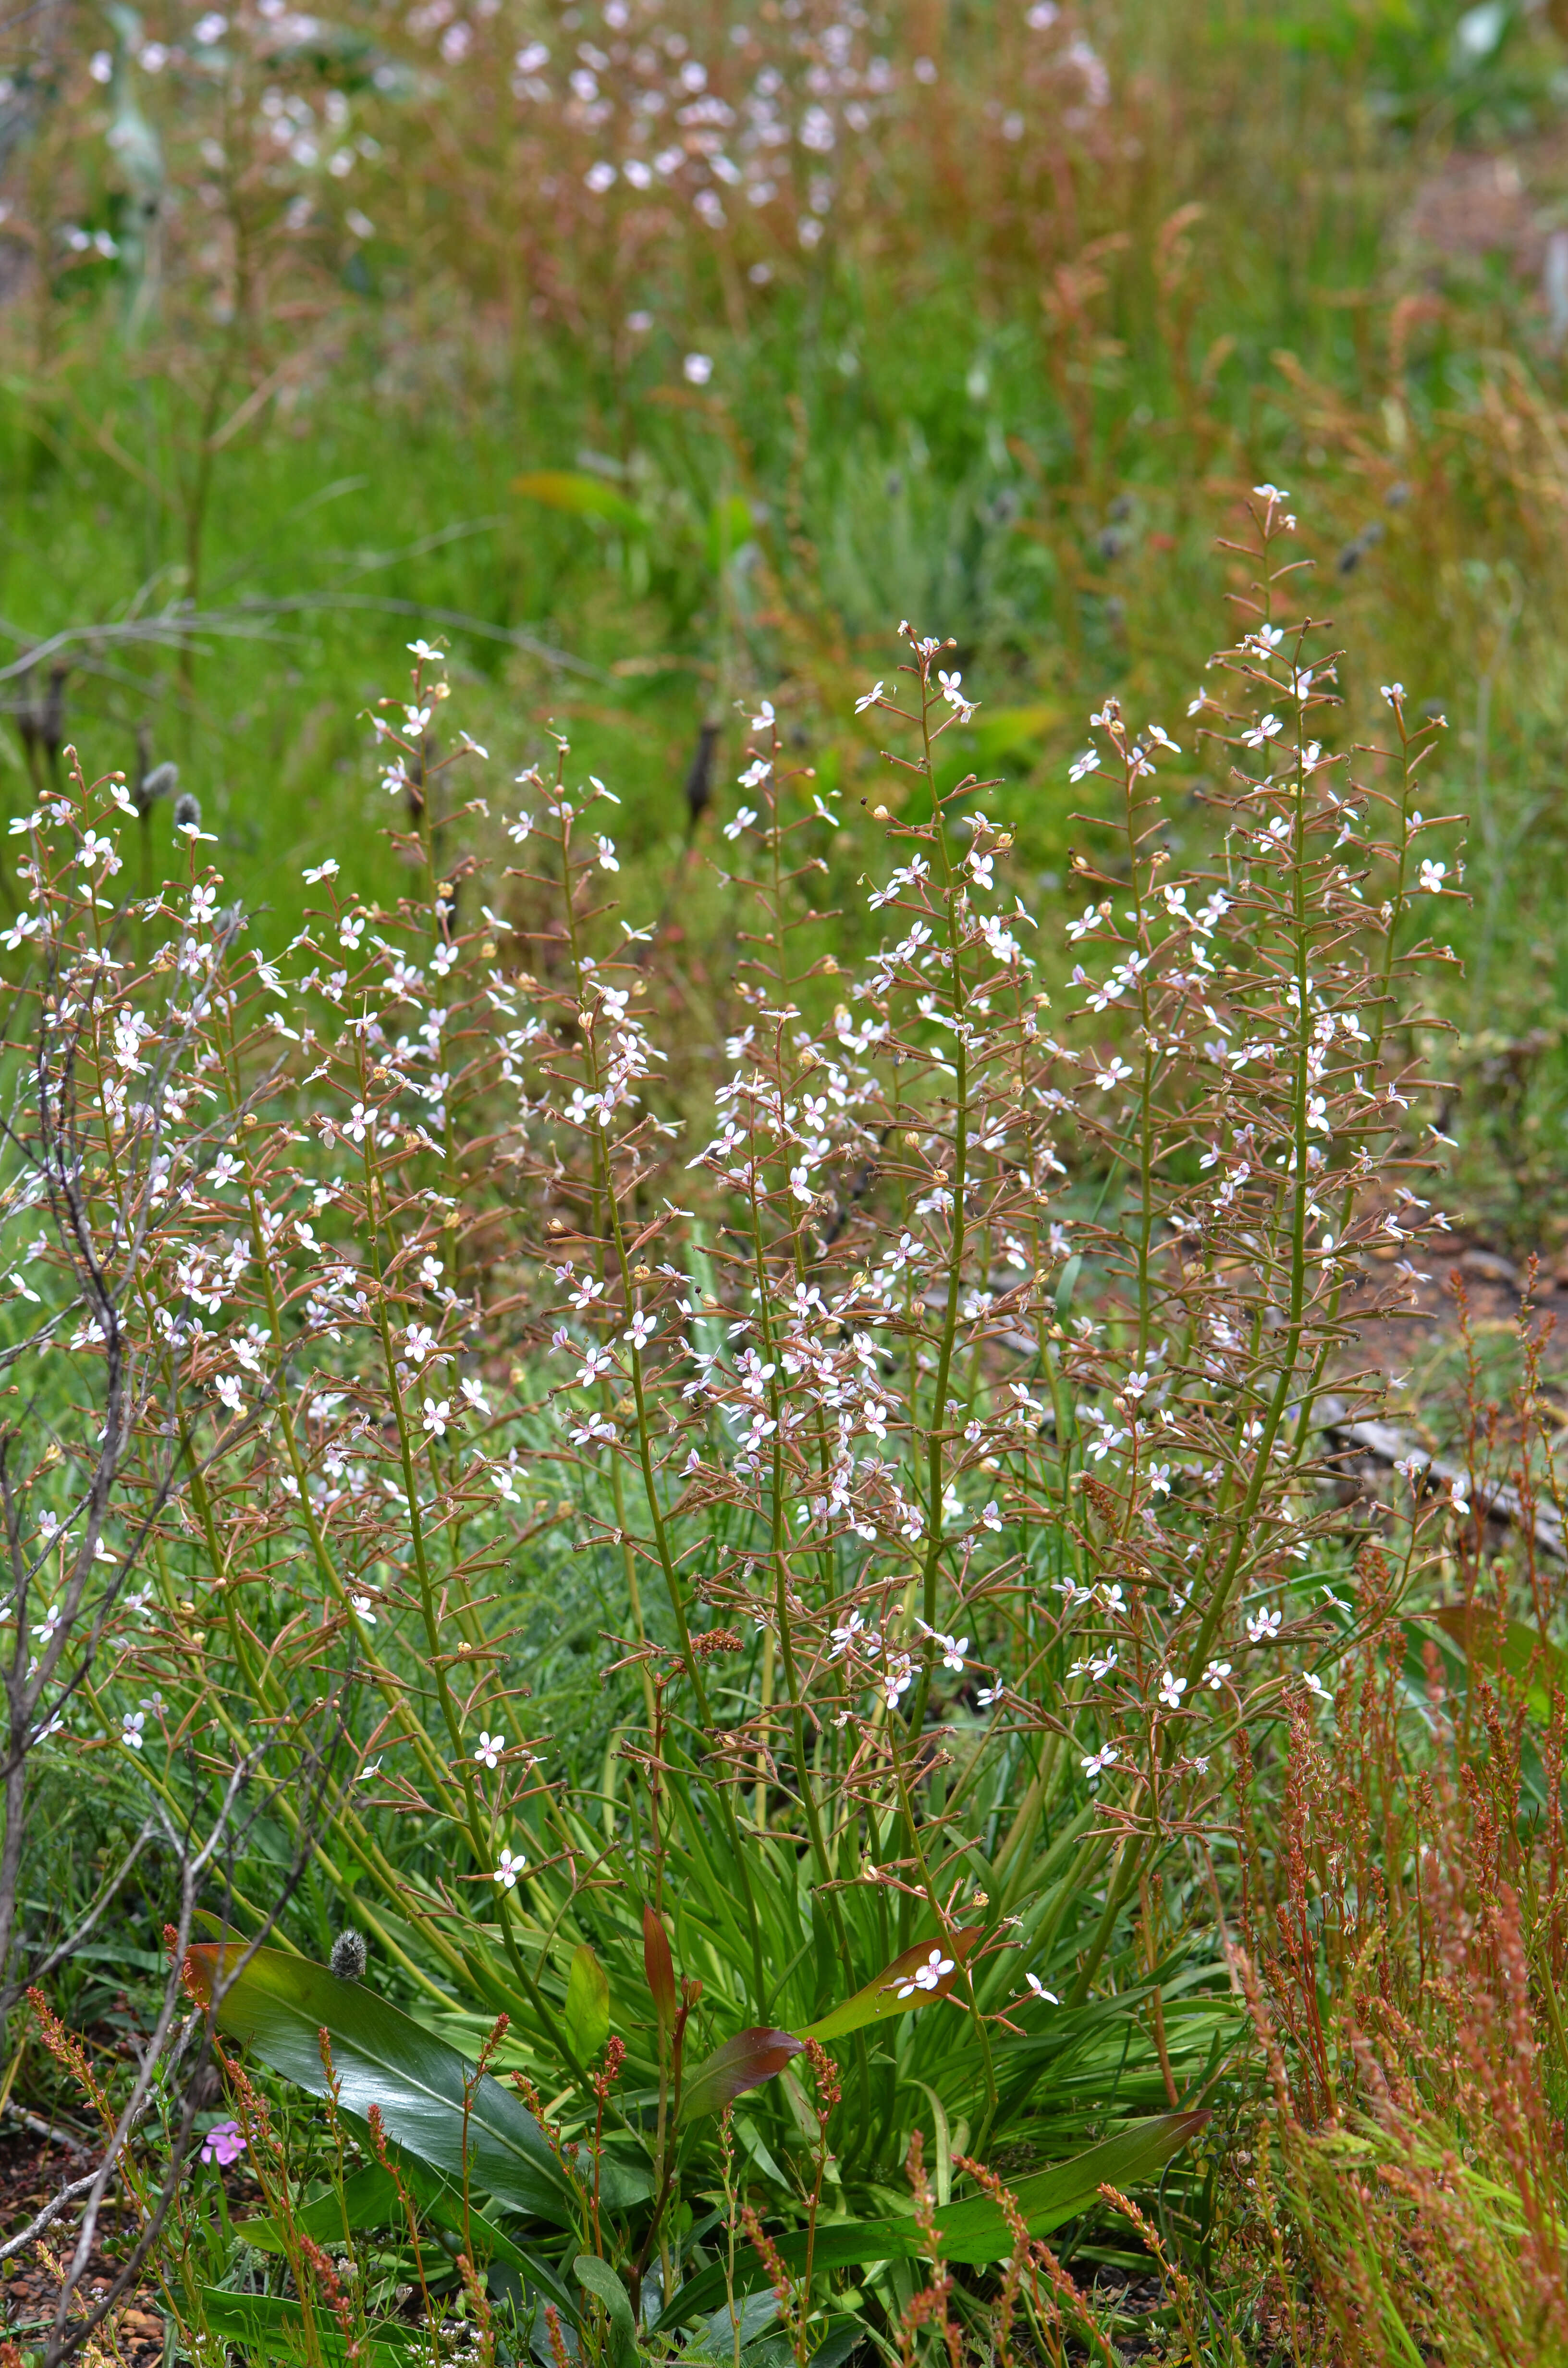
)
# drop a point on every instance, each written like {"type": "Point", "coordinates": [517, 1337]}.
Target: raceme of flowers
{"type": "Point", "coordinates": [409, 1244]}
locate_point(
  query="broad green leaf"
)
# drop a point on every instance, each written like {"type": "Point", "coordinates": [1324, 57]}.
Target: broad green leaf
{"type": "Point", "coordinates": [587, 2005]}
{"type": "Point", "coordinates": [596, 2277]}
{"type": "Point", "coordinates": [756, 2313]}
{"type": "Point", "coordinates": [585, 496]}
{"type": "Point", "coordinates": [972, 2231]}
{"type": "Point", "coordinates": [279, 2005]}
{"type": "Point", "coordinates": [371, 2201]}
{"type": "Point", "coordinates": [742, 2062]}
{"type": "Point", "coordinates": [274, 2329]}
{"type": "Point", "coordinates": [895, 1990]}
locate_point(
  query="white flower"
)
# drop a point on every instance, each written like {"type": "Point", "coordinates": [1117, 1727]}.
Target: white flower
{"type": "Point", "coordinates": [925, 1977]}
{"type": "Point", "coordinates": [870, 699]}
{"type": "Point", "coordinates": [437, 1416]}
{"type": "Point", "coordinates": [230, 1392]}
{"type": "Point", "coordinates": [641, 1330]}
{"type": "Point", "coordinates": [1263, 1627]}
{"type": "Point", "coordinates": [1459, 1497]}
{"type": "Point", "coordinates": [1314, 1685]}
{"type": "Point", "coordinates": [991, 1516]}
{"type": "Point", "coordinates": [608, 860]}
{"type": "Point", "coordinates": [421, 1342]}
{"type": "Point", "coordinates": [743, 820]}
{"type": "Point", "coordinates": [1160, 1479]}
{"type": "Point", "coordinates": [1392, 691]}
{"type": "Point", "coordinates": [1263, 730]}
{"type": "Point", "coordinates": [1172, 1690]}
{"type": "Point", "coordinates": [595, 1360]}
{"type": "Point", "coordinates": [1040, 1991]}
{"type": "Point", "coordinates": [1432, 875]}
{"type": "Point", "coordinates": [474, 1393]}
{"type": "Point", "coordinates": [131, 1723]}
{"type": "Point", "coordinates": [1089, 762]}
{"type": "Point", "coordinates": [362, 1606]}
{"type": "Point", "coordinates": [898, 1675]}
{"type": "Point", "coordinates": [697, 368]}
{"type": "Point", "coordinates": [953, 1650]}
{"type": "Point", "coordinates": [489, 1748]}
{"type": "Point", "coordinates": [508, 1869]}
{"type": "Point", "coordinates": [1097, 1762]}
{"type": "Point", "coordinates": [1214, 1676]}
{"type": "Point", "coordinates": [844, 1634]}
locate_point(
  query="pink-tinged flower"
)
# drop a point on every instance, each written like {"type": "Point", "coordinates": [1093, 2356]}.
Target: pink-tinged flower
{"type": "Point", "coordinates": [489, 1748]}
{"type": "Point", "coordinates": [1040, 1991]}
{"type": "Point", "coordinates": [223, 2144]}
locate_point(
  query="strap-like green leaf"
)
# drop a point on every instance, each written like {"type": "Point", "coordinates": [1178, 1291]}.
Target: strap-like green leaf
{"type": "Point", "coordinates": [895, 1989]}
{"type": "Point", "coordinates": [279, 2005]}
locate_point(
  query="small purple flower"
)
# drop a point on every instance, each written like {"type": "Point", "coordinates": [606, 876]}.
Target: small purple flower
{"type": "Point", "coordinates": [223, 2144]}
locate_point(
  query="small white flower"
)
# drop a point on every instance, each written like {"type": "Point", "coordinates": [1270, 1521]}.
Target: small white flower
{"type": "Point", "coordinates": [1040, 1991]}
{"type": "Point", "coordinates": [473, 1394]}
{"type": "Point", "coordinates": [641, 1330]}
{"type": "Point", "coordinates": [870, 699]}
{"type": "Point", "coordinates": [1089, 762]}
{"type": "Point", "coordinates": [230, 1392]}
{"type": "Point", "coordinates": [437, 1414]}
{"type": "Point", "coordinates": [131, 1723]}
{"type": "Point", "coordinates": [1097, 1762]}
{"type": "Point", "coordinates": [1314, 1685]}
{"type": "Point", "coordinates": [1263, 1627]}
{"type": "Point", "coordinates": [1459, 1497]}
{"type": "Point", "coordinates": [1392, 691]}
{"type": "Point", "coordinates": [697, 368]}
{"type": "Point", "coordinates": [508, 1869]}
{"type": "Point", "coordinates": [362, 1606]}
{"type": "Point", "coordinates": [743, 820]}
{"type": "Point", "coordinates": [927, 1976]}
{"type": "Point", "coordinates": [608, 860]}
{"type": "Point", "coordinates": [1264, 730]}
{"type": "Point", "coordinates": [1172, 1690]}
{"type": "Point", "coordinates": [489, 1748]}
{"type": "Point", "coordinates": [1214, 1676]}
{"type": "Point", "coordinates": [1432, 877]}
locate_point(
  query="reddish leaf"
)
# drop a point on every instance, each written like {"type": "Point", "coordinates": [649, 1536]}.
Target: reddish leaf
{"type": "Point", "coordinates": [743, 2062]}
{"type": "Point", "coordinates": [660, 1969]}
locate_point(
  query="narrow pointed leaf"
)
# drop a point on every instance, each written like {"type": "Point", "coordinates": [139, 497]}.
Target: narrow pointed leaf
{"type": "Point", "coordinates": [972, 2231]}
{"type": "Point", "coordinates": [895, 1989]}
{"type": "Point", "coordinates": [742, 2062]}
{"type": "Point", "coordinates": [659, 1967]}
{"type": "Point", "coordinates": [279, 2003]}
{"type": "Point", "coordinates": [585, 496]}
